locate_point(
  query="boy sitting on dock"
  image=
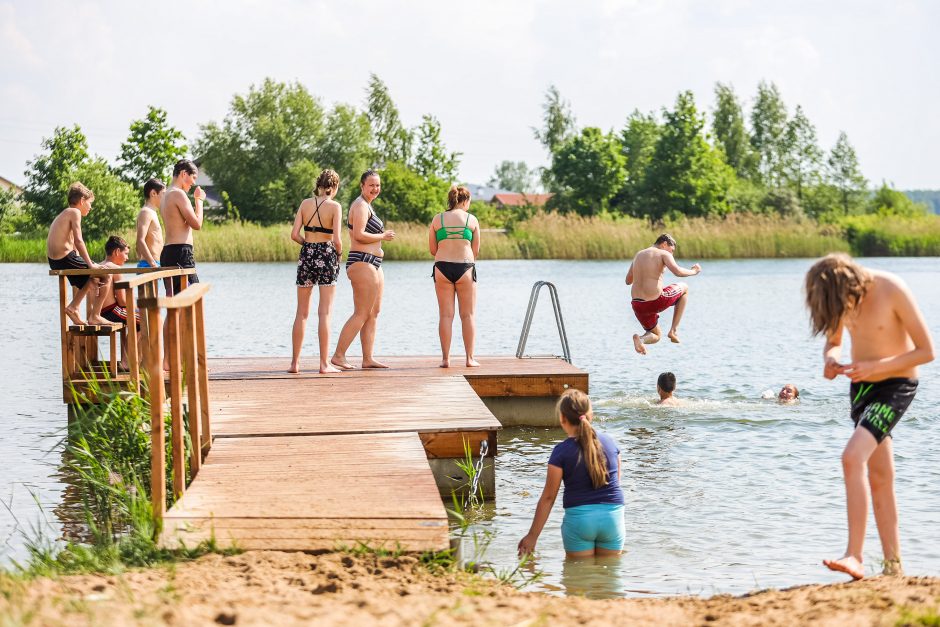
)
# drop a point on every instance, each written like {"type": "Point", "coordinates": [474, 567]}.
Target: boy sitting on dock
{"type": "Point", "coordinates": [665, 386]}
{"type": "Point", "coordinates": [66, 250]}
{"type": "Point", "coordinates": [889, 340]}
{"type": "Point", "coordinates": [114, 306]}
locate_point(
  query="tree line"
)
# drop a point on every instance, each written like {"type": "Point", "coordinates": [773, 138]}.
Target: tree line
{"type": "Point", "coordinates": [265, 154]}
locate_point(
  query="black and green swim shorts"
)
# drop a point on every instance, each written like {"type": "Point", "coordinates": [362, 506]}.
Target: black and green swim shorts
{"type": "Point", "coordinates": [878, 406]}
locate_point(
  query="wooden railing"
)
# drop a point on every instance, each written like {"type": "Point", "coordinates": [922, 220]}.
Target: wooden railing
{"type": "Point", "coordinates": [186, 357]}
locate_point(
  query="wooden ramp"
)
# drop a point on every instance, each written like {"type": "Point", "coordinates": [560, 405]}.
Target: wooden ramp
{"type": "Point", "coordinates": [312, 461]}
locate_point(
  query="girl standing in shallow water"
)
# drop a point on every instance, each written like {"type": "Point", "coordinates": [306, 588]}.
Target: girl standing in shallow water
{"type": "Point", "coordinates": [588, 463]}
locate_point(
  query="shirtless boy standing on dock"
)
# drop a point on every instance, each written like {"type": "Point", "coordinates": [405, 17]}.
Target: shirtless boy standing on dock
{"type": "Point", "coordinates": [180, 218]}
{"type": "Point", "coordinates": [649, 296]}
{"type": "Point", "coordinates": [889, 340]}
{"type": "Point", "coordinates": [66, 250]}
{"type": "Point", "coordinates": [149, 231]}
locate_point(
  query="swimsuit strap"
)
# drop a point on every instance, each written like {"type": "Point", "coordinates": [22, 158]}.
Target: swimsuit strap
{"type": "Point", "coordinates": [316, 212]}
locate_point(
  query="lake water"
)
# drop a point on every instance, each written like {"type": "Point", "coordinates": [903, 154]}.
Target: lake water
{"type": "Point", "coordinates": [726, 495]}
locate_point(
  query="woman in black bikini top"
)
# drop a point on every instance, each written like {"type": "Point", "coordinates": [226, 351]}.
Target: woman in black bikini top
{"type": "Point", "coordinates": [364, 269]}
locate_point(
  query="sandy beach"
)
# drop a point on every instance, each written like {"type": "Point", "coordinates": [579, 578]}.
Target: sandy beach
{"type": "Point", "coordinates": [276, 588]}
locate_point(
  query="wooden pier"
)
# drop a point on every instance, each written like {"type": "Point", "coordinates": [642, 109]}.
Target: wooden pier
{"type": "Point", "coordinates": [309, 461]}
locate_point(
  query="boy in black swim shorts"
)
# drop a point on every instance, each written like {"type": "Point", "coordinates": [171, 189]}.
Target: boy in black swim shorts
{"type": "Point", "coordinates": [889, 340]}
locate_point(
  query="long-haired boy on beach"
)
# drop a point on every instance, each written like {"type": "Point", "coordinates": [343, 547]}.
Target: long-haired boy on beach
{"type": "Point", "coordinates": [588, 462]}
{"type": "Point", "coordinates": [889, 340]}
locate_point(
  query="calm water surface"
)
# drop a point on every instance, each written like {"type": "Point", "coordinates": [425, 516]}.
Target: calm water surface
{"type": "Point", "coordinates": [725, 495]}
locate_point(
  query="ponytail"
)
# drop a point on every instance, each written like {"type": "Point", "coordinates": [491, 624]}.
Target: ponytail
{"type": "Point", "coordinates": [574, 406]}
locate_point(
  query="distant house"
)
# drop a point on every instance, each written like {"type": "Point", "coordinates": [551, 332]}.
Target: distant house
{"type": "Point", "coordinates": [484, 192]}
{"type": "Point", "coordinates": [516, 199]}
{"type": "Point", "coordinates": [7, 184]}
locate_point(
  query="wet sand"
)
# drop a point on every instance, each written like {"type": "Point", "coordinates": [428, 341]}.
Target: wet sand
{"type": "Point", "coordinates": [275, 588]}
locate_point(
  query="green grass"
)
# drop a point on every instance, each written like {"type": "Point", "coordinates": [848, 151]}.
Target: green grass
{"type": "Point", "coordinates": [558, 236]}
{"type": "Point", "coordinates": [918, 618]}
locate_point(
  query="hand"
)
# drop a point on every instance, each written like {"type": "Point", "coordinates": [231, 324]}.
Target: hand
{"type": "Point", "coordinates": [388, 236]}
{"type": "Point", "coordinates": [527, 544]}
{"type": "Point", "coordinates": [696, 268]}
{"type": "Point", "coordinates": [862, 370]}
{"type": "Point", "coordinates": [198, 194]}
{"type": "Point", "coordinates": [833, 368]}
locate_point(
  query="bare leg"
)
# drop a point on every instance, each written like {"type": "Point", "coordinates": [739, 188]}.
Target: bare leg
{"type": "Point", "coordinates": [854, 462]}
{"type": "Point", "coordinates": [650, 337]}
{"type": "Point", "coordinates": [71, 310]}
{"type": "Point", "coordinates": [324, 308]}
{"type": "Point", "coordinates": [467, 299]}
{"type": "Point", "coordinates": [677, 313]}
{"type": "Point", "coordinates": [96, 300]}
{"type": "Point", "coordinates": [881, 478]}
{"type": "Point", "coordinates": [445, 303]}
{"type": "Point", "coordinates": [367, 335]}
{"type": "Point", "coordinates": [362, 277]}
{"type": "Point", "coordinates": [300, 324]}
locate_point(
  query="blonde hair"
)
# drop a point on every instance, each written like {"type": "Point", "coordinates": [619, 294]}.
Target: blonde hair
{"type": "Point", "coordinates": [457, 195]}
{"type": "Point", "coordinates": [574, 407]}
{"type": "Point", "coordinates": [835, 285]}
{"type": "Point", "coordinates": [328, 179]}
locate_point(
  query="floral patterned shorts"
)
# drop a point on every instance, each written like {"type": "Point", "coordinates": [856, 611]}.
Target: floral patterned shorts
{"type": "Point", "coordinates": [318, 264]}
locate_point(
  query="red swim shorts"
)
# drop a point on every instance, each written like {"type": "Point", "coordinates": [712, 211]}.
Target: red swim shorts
{"type": "Point", "coordinates": [647, 311]}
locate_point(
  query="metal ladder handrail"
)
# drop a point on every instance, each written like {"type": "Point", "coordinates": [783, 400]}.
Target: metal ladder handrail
{"type": "Point", "coordinates": [559, 322]}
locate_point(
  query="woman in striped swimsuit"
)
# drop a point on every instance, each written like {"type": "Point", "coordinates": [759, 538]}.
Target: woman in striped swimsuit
{"type": "Point", "coordinates": [364, 269]}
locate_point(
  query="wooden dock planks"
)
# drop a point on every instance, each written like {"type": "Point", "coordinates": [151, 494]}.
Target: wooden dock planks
{"type": "Point", "coordinates": [308, 493]}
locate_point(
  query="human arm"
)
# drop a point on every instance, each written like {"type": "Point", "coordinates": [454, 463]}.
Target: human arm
{"type": "Point", "coordinates": [432, 238]}
{"type": "Point", "coordinates": [298, 225]}
{"type": "Point", "coordinates": [119, 294]}
{"type": "Point", "coordinates": [912, 321]}
{"type": "Point", "coordinates": [678, 270]}
{"type": "Point", "coordinates": [192, 216]}
{"type": "Point", "coordinates": [542, 510]}
{"type": "Point", "coordinates": [629, 279]}
{"type": "Point", "coordinates": [358, 217]}
{"type": "Point", "coordinates": [144, 219]}
{"type": "Point", "coordinates": [832, 351]}
{"type": "Point", "coordinates": [475, 244]}
{"type": "Point", "coordinates": [76, 225]}
{"type": "Point", "coordinates": [337, 238]}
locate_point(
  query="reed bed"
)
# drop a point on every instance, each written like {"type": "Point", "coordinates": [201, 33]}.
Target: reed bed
{"type": "Point", "coordinates": [559, 236]}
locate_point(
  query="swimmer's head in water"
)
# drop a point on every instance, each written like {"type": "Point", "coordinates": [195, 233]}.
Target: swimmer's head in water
{"type": "Point", "coordinates": [788, 393]}
{"type": "Point", "coordinates": [666, 382]}
{"type": "Point", "coordinates": [834, 286]}
{"type": "Point", "coordinates": [666, 239]}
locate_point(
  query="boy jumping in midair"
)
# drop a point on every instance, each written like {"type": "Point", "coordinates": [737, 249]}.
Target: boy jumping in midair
{"type": "Point", "coordinates": [889, 340]}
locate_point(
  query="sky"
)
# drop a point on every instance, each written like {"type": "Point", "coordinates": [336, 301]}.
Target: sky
{"type": "Point", "coordinates": [481, 67]}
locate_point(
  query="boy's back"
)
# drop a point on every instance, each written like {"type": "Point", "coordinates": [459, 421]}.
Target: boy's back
{"type": "Point", "coordinates": [61, 239]}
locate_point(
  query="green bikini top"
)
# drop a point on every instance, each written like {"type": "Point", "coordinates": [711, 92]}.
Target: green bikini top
{"type": "Point", "coordinates": [454, 232]}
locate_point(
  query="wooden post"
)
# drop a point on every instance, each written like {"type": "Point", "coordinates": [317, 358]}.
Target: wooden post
{"type": "Point", "coordinates": [64, 333]}
{"type": "Point", "coordinates": [157, 435]}
{"type": "Point", "coordinates": [188, 320]}
{"type": "Point", "coordinates": [133, 358]}
{"type": "Point", "coordinates": [112, 353]}
{"type": "Point", "coordinates": [203, 370]}
{"type": "Point", "coordinates": [176, 402]}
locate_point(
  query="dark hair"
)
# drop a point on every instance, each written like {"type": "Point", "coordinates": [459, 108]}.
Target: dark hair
{"type": "Point", "coordinates": [328, 179]}
{"type": "Point", "coordinates": [184, 165]}
{"type": "Point", "coordinates": [153, 185]}
{"type": "Point", "coordinates": [665, 238]}
{"type": "Point", "coordinates": [114, 243]}
{"type": "Point", "coordinates": [367, 174]}
{"type": "Point", "coordinates": [574, 407]}
{"type": "Point", "coordinates": [78, 193]}
{"type": "Point", "coordinates": [457, 195]}
{"type": "Point", "coordinates": [666, 382]}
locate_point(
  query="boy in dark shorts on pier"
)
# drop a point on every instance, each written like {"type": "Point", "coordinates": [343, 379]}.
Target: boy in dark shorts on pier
{"type": "Point", "coordinates": [889, 340]}
{"type": "Point", "coordinates": [180, 217]}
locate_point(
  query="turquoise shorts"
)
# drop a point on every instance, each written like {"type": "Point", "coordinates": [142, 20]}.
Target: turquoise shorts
{"type": "Point", "coordinates": [143, 264]}
{"type": "Point", "coordinates": [587, 527]}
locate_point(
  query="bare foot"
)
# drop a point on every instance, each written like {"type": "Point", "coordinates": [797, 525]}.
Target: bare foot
{"type": "Point", "coordinates": [674, 337]}
{"type": "Point", "coordinates": [73, 316]}
{"type": "Point", "coordinates": [326, 369]}
{"type": "Point", "coordinates": [848, 565]}
{"type": "Point", "coordinates": [472, 363]}
{"type": "Point", "coordinates": [294, 369]}
{"type": "Point", "coordinates": [892, 568]}
{"type": "Point", "coordinates": [104, 322]}
{"type": "Point", "coordinates": [371, 363]}
{"type": "Point", "coordinates": [638, 344]}
{"type": "Point", "coordinates": [342, 364]}
{"type": "Point", "coordinates": [445, 363]}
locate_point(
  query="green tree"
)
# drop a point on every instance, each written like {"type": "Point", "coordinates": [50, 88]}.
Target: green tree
{"type": "Point", "coordinates": [588, 170]}
{"type": "Point", "coordinates": [730, 132]}
{"type": "Point", "coordinates": [10, 203]}
{"type": "Point", "coordinates": [345, 146]}
{"type": "Point", "coordinates": [116, 201]}
{"type": "Point", "coordinates": [391, 141]}
{"type": "Point", "coordinates": [514, 176]}
{"type": "Point", "coordinates": [638, 139]}
{"type": "Point", "coordinates": [845, 175]}
{"type": "Point", "coordinates": [887, 201]}
{"type": "Point", "coordinates": [802, 157]}
{"type": "Point", "coordinates": [432, 160]}
{"type": "Point", "coordinates": [151, 149]}
{"type": "Point", "coordinates": [686, 175]}
{"type": "Point", "coordinates": [265, 152]}
{"type": "Point", "coordinates": [768, 127]}
{"type": "Point", "coordinates": [558, 126]}
{"type": "Point", "coordinates": [409, 197]}
{"type": "Point", "coordinates": [49, 174]}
